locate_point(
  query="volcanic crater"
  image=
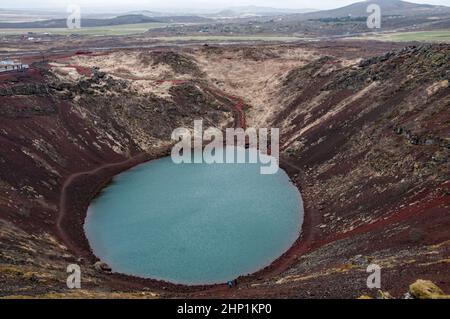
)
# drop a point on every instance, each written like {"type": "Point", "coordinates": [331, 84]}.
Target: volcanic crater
{"type": "Point", "coordinates": [365, 135]}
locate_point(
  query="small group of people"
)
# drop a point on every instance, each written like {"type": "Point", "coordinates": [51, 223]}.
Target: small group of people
{"type": "Point", "coordinates": [232, 283]}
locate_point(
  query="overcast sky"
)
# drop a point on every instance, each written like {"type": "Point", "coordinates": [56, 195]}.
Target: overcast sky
{"type": "Point", "coordinates": [188, 4]}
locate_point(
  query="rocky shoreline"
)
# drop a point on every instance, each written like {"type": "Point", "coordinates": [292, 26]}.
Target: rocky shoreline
{"type": "Point", "coordinates": [366, 143]}
{"type": "Point", "coordinates": [88, 186]}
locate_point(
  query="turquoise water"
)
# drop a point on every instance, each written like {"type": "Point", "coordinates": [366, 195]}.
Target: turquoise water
{"type": "Point", "coordinates": [194, 223]}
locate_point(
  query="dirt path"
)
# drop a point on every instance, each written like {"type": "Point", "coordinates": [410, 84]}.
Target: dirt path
{"type": "Point", "coordinates": [63, 198]}
{"type": "Point", "coordinates": [240, 122]}
{"type": "Point", "coordinates": [311, 239]}
{"type": "Point", "coordinates": [305, 242]}
{"type": "Point", "coordinates": [238, 106]}
{"type": "Point", "coordinates": [122, 280]}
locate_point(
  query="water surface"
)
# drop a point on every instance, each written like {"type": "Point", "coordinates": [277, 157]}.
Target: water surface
{"type": "Point", "coordinates": [194, 223]}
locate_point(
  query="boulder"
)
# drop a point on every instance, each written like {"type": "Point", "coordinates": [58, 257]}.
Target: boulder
{"type": "Point", "coordinates": [425, 289]}
{"type": "Point", "coordinates": [102, 267]}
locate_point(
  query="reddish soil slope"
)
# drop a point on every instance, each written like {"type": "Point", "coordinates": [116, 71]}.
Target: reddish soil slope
{"type": "Point", "coordinates": [367, 142]}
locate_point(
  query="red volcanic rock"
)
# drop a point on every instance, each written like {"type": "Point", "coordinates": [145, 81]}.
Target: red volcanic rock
{"type": "Point", "coordinates": [366, 142]}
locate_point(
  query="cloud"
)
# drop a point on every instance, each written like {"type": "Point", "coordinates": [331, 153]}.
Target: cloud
{"type": "Point", "coordinates": [106, 5]}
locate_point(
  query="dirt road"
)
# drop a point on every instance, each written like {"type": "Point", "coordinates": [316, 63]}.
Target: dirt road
{"type": "Point", "coordinates": [65, 189]}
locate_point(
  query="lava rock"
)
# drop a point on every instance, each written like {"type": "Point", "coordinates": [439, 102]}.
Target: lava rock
{"type": "Point", "coordinates": [102, 267]}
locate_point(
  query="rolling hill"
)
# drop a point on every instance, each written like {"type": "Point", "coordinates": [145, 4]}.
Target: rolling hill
{"type": "Point", "coordinates": [62, 23]}
{"type": "Point", "coordinates": [388, 8]}
{"type": "Point", "coordinates": [91, 22]}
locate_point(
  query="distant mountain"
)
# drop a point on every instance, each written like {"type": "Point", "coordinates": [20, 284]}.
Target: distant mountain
{"type": "Point", "coordinates": [148, 13]}
{"type": "Point", "coordinates": [62, 23]}
{"type": "Point", "coordinates": [120, 20]}
{"type": "Point", "coordinates": [388, 7]}
{"type": "Point", "coordinates": [248, 11]}
{"type": "Point", "coordinates": [268, 10]}
{"type": "Point", "coordinates": [183, 19]}
{"type": "Point", "coordinates": [11, 15]}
